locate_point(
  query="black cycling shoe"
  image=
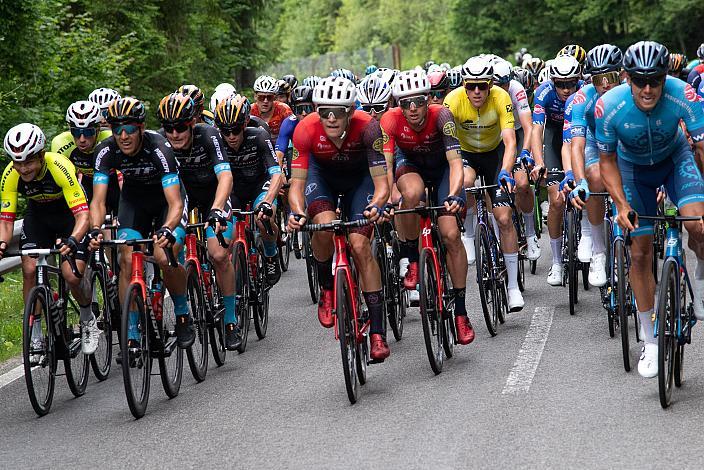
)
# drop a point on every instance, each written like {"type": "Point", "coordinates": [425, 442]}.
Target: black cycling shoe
{"type": "Point", "coordinates": [135, 353]}
{"type": "Point", "coordinates": [118, 358]}
{"type": "Point", "coordinates": [233, 337]}
{"type": "Point", "coordinates": [272, 269]}
{"type": "Point", "coordinates": [185, 333]}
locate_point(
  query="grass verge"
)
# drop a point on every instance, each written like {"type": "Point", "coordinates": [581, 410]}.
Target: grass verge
{"type": "Point", "coordinates": [11, 310]}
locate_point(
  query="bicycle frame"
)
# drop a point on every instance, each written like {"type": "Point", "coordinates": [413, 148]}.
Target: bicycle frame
{"type": "Point", "coordinates": [344, 267]}
{"type": "Point", "coordinates": [428, 232]}
{"type": "Point", "coordinates": [673, 251]}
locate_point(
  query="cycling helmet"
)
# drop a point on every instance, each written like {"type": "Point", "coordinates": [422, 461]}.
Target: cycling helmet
{"type": "Point", "coordinates": [282, 87]}
{"type": "Point", "coordinates": [125, 110]}
{"type": "Point", "coordinates": [265, 84]}
{"type": "Point", "coordinates": [544, 76]}
{"type": "Point", "coordinates": [411, 82]}
{"type": "Point", "coordinates": [564, 67]}
{"type": "Point", "coordinates": [344, 73]}
{"type": "Point", "coordinates": [646, 58]}
{"type": "Point", "coordinates": [373, 90]}
{"type": "Point", "coordinates": [176, 107]}
{"type": "Point", "coordinates": [24, 140]}
{"type": "Point", "coordinates": [502, 72]}
{"type": "Point", "coordinates": [195, 94]}
{"type": "Point", "coordinates": [291, 80]}
{"type": "Point", "coordinates": [103, 97]}
{"type": "Point", "coordinates": [438, 80]}
{"type": "Point", "coordinates": [83, 114]}
{"type": "Point", "coordinates": [604, 58]}
{"type": "Point", "coordinates": [478, 68]}
{"type": "Point", "coordinates": [427, 65]}
{"type": "Point", "coordinates": [302, 94]}
{"type": "Point", "coordinates": [311, 81]}
{"type": "Point", "coordinates": [221, 92]}
{"type": "Point", "coordinates": [700, 52]}
{"type": "Point", "coordinates": [524, 60]}
{"type": "Point", "coordinates": [233, 112]}
{"type": "Point", "coordinates": [370, 69]}
{"type": "Point", "coordinates": [335, 91]}
{"type": "Point", "coordinates": [534, 65]}
{"type": "Point", "coordinates": [677, 63]}
{"type": "Point", "coordinates": [574, 50]}
{"type": "Point", "coordinates": [526, 78]}
{"type": "Point", "coordinates": [388, 75]}
{"type": "Point", "coordinates": [208, 117]}
{"type": "Point", "coordinates": [445, 66]}
{"type": "Point", "coordinates": [434, 68]}
{"type": "Point", "coordinates": [454, 76]}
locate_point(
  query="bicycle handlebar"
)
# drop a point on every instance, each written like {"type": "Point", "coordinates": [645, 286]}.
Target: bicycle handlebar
{"type": "Point", "coordinates": [141, 241]}
{"type": "Point", "coordinates": [36, 252]}
{"type": "Point", "coordinates": [419, 210]}
{"type": "Point", "coordinates": [335, 225]}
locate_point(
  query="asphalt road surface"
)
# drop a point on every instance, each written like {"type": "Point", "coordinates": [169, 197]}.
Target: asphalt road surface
{"type": "Point", "coordinates": [549, 391]}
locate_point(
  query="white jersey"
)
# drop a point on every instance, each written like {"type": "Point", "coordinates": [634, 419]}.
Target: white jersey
{"type": "Point", "coordinates": [519, 100]}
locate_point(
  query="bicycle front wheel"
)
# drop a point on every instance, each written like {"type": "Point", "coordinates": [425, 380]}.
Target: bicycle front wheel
{"type": "Point", "coordinates": [571, 221]}
{"type": "Point", "coordinates": [488, 294]}
{"type": "Point", "coordinates": [396, 302]}
{"type": "Point", "coordinates": [137, 363]}
{"type": "Point", "coordinates": [242, 293]}
{"type": "Point", "coordinates": [623, 306]}
{"type": "Point", "coordinates": [216, 327]}
{"type": "Point", "coordinates": [76, 364]}
{"type": "Point", "coordinates": [38, 351]}
{"type": "Point", "coordinates": [431, 310]}
{"type": "Point", "coordinates": [198, 353]}
{"type": "Point", "coordinates": [311, 268]}
{"type": "Point", "coordinates": [101, 360]}
{"type": "Point", "coordinates": [261, 307]}
{"type": "Point", "coordinates": [667, 330]}
{"type": "Point", "coordinates": [346, 334]}
{"type": "Point", "coordinates": [170, 355]}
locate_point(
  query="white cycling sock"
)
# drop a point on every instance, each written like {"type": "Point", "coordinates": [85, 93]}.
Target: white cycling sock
{"type": "Point", "coordinates": [586, 227]}
{"type": "Point", "coordinates": [598, 245]}
{"type": "Point", "coordinates": [529, 222]}
{"type": "Point", "coordinates": [511, 260]}
{"type": "Point", "coordinates": [86, 312]}
{"type": "Point", "coordinates": [469, 223]}
{"type": "Point", "coordinates": [556, 247]}
{"type": "Point", "coordinates": [646, 327]}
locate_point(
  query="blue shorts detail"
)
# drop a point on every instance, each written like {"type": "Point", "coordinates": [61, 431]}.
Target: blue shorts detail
{"type": "Point", "coordinates": [438, 177]}
{"type": "Point", "coordinates": [323, 187]}
{"type": "Point", "coordinates": [210, 233]}
{"type": "Point", "coordinates": [591, 151]}
{"type": "Point", "coordinates": [132, 234]}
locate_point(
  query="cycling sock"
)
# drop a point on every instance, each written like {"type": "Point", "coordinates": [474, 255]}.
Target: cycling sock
{"type": "Point", "coordinates": [469, 223]}
{"type": "Point", "coordinates": [270, 249]}
{"type": "Point", "coordinates": [180, 304]}
{"type": "Point", "coordinates": [402, 250]}
{"type": "Point", "coordinates": [586, 227]}
{"type": "Point", "coordinates": [133, 326]}
{"type": "Point", "coordinates": [458, 296]}
{"type": "Point", "coordinates": [374, 301]}
{"type": "Point", "coordinates": [598, 245]}
{"type": "Point", "coordinates": [511, 260]}
{"type": "Point", "coordinates": [529, 223]}
{"type": "Point", "coordinates": [699, 270]}
{"type": "Point", "coordinates": [646, 325]}
{"type": "Point", "coordinates": [230, 315]}
{"type": "Point", "coordinates": [325, 277]}
{"type": "Point", "coordinates": [556, 247]}
{"type": "Point", "coordinates": [86, 312]}
{"type": "Point", "coordinates": [412, 247]}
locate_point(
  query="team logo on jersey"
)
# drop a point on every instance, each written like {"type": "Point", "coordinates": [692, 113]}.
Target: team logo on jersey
{"type": "Point", "coordinates": [539, 109]}
{"type": "Point", "coordinates": [509, 108]}
{"type": "Point", "coordinates": [599, 109]}
{"type": "Point", "coordinates": [378, 144]}
{"type": "Point", "coordinates": [690, 94]}
{"type": "Point", "coordinates": [76, 194]}
{"type": "Point", "coordinates": [449, 129]}
{"type": "Point", "coordinates": [579, 98]}
{"type": "Point", "coordinates": [295, 154]}
{"type": "Point", "coordinates": [385, 136]}
{"type": "Point", "coordinates": [6, 204]}
{"type": "Point", "coordinates": [521, 95]}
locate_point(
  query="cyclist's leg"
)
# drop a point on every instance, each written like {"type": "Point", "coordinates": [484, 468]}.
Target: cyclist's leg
{"type": "Point", "coordinates": [595, 213]}
{"type": "Point", "coordinates": [270, 248]}
{"type": "Point", "coordinates": [410, 184]}
{"type": "Point", "coordinates": [553, 161]}
{"type": "Point", "coordinates": [470, 219]}
{"type": "Point", "coordinates": [224, 269]}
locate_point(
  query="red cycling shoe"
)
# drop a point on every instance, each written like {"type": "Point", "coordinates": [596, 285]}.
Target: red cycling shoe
{"type": "Point", "coordinates": [325, 308]}
{"type": "Point", "coordinates": [410, 282]}
{"type": "Point", "coordinates": [465, 332]}
{"type": "Point", "coordinates": [379, 350]}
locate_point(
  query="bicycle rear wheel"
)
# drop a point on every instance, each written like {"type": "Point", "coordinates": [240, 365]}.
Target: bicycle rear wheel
{"type": "Point", "coordinates": [623, 306]}
{"type": "Point", "coordinates": [170, 356]}
{"type": "Point", "coordinates": [346, 334]}
{"type": "Point", "coordinates": [261, 307]}
{"type": "Point", "coordinates": [102, 358]}
{"type": "Point", "coordinates": [431, 310]}
{"type": "Point", "coordinates": [396, 302]}
{"type": "Point", "coordinates": [311, 268]}
{"type": "Point", "coordinates": [216, 327]}
{"type": "Point", "coordinates": [667, 330]}
{"type": "Point", "coordinates": [76, 364]}
{"type": "Point", "coordinates": [137, 366]}
{"type": "Point", "coordinates": [488, 294]}
{"type": "Point", "coordinates": [242, 293]}
{"type": "Point", "coordinates": [198, 353]}
{"type": "Point", "coordinates": [39, 359]}
{"type": "Point", "coordinates": [571, 221]}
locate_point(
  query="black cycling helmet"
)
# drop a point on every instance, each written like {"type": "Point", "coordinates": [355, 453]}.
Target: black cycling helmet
{"type": "Point", "coordinates": [604, 58]}
{"type": "Point", "coordinates": [700, 52]}
{"type": "Point", "coordinates": [232, 111]}
{"type": "Point", "coordinates": [291, 80]}
{"type": "Point", "coordinates": [195, 94]}
{"type": "Point", "coordinates": [126, 110]}
{"type": "Point", "coordinates": [427, 65]}
{"type": "Point", "coordinates": [302, 94]}
{"type": "Point", "coordinates": [176, 107]}
{"type": "Point", "coordinates": [646, 58]}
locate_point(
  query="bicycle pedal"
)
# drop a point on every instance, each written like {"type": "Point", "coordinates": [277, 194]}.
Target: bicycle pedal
{"type": "Point", "coordinates": [375, 361]}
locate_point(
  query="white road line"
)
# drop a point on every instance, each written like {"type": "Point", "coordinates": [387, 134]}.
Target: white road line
{"type": "Point", "coordinates": [8, 377]}
{"type": "Point", "coordinates": [523, 371]}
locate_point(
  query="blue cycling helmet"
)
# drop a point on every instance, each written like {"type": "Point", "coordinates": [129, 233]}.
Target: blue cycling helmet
{"type": "Point", "coordinates": [370, 69]}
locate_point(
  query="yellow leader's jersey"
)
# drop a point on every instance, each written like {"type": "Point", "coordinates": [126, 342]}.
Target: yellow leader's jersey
{"type": "Point", "coordinates": [479, 130]}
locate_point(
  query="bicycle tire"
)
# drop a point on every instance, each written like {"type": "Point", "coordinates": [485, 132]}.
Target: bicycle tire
{"type": "Point", "coordinates": [311, 269]}
{"type": "Point", "coordinates": [171, 366]}
{"type": "Point", "coordinates": [485, 282]}
{"type": "Point", "coordinates": [685, 316]}
{"type": "Point", "coordinates": [101, 360]}
{"type": "Point", "coordinates": [197, 354]}
{"type": "Point", "coordinates": [76, 364]}
{"type": "Point", "coordinates": [346, 335]}
{"type": "Point", "coordinates": [261, 306]}
{"type": "Point", "coordinates": [216, 327]}
{"type": "Point", "coordinates": [431, 310]}
{"type": "Point", "coordinates": [622, 305]}
{"type": "Point", "coordinates": [572, 259]}
{"type": "Point", "coordinates": [362, 353]}
{"type": "Point", "coordinates": [667, 330]}
{"type": "Point", "coordinates": [242, 293]}
{"type": "Point", "coordinates": [396, 304]}
{"type": "Point", "coordinates": [136, 391]}
{"type": "Point", "coordinates": [295, 237]}
{"type": "Point", "coordinates": [533, 266]}
{"type": "Point", "coordinates": [41, 378]}
{"type": "Point", "coordinates": [379, 253]}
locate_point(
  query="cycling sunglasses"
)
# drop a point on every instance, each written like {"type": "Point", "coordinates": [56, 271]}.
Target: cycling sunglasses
{"type": "Point", "coordinates": [654, 81]}
{"type": "Point", "coordinates": [232, 130]}
{"type": "Point", "coordinates": [405, 103]}
{"type": "Point", "coordinates": [338, 112]}
{"type": "Point", "coordinates": [303, 108]}
{"type": "Point", "coordinates": [438, 94]}
{"type": "Point", "coordinates": [565, 84]}
{"type": "Point", "coordinates": [374, 108]}
{"type": "Point", "coordinates": [607, 78]}
{"type": "Point", "coordinates": [265, 97]}
{"type": "Point", "coordinates": [482, 85]}
{"type": "Point", "coordinates": [128, 128]}
{"type": "Point", "coordinates": [178, 127]}
{"type": "Point", "coordinates": [87, 132]}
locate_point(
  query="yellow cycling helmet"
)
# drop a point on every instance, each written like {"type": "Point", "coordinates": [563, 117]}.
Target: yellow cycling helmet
{"type": "Point", "coordinates": [575, 51]}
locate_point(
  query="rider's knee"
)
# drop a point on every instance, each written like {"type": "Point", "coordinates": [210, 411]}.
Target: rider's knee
{"type": "Point", "coordinates": [360, 246]}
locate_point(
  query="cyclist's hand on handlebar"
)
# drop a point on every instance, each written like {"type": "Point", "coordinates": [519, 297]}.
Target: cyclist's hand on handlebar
{"type": "Point", "coordinates": [623, 219]}
{"type": "Point", "coordinates": [506, 181]}
{"type": "Point", "coordinates": [580, 194]}
{"type": "Point", "coordinates": [164, 237]}
{"type": "Point", "coordinates": [661, 194]}
{"type": "Point", "coordinates": [217, 220]}
{"type": "Point", "coordinates": [95, 236]}
{"type": "Point", "coordinates": [535, 172]}
{"type": "Point", "coordinates": [68, 246]}
{"type": "Point", "coordinates": [372, 212]}
{"type": "Point", "coordinates": [264, 210]}
{"type": "Point", "coordinates": [3, 248]}
{"type": "Point", "coordinates": [567, 182]}
{"type": "Point", "coordinates": [453, 204]}
{"type": "Point", "coordinates": [526, 160]}
{"type": "Point", "coordinates": [295, 222]}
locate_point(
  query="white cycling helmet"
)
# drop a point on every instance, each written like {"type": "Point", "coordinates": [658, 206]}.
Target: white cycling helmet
{"type": "Point", "coordinates": [411, 82]}
{"type": "Point", "coordinates": [478, 68]}
{"type": "Point", "coordinates": [221, 92]}
{"type": "Point", "coordinates": [335, 91]}
{"type": "Point", "coordinates": [435, 68]}
{"type": "Point", "coordinates": [565, 67]}
{"type": "Point", "coordinates": [525, 59]}
{"type": "Point", "coordinates": [543, 76]}
{"type": "Point", "coordinates": [103, 97]}
{"type": "Point", "coordinates": [83, 114]}
{"type": "Point", "coordinates": [503, 71]}
{"type": "Point", "coordinates": [373, 90]}
{"type": "Point", "coordinates": [23, 140]}
{"type": "Point", "coordinates": [388, 75]}
{"type": "Point", "coordinates": [265, 84]}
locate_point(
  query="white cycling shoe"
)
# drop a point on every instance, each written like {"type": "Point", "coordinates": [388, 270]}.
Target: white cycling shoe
{"type": "Point", "coordinates": [555, 275]}
{"type": "Point", "coordinates": [584, 249]}
{"type": "Point", "coordinates": [648, 364]}
{"type": "Point", "coordinates": [515, 300]}
{"type": "Point", "coordinates": [468, 243]}
{"type": "Point", "coordinates": [90, 333]}
{"type": "Point", "coordinates": [597, 270]}
{"type": "Point", "coordinates": [403, 267]}
{"type": "Point", "coordinates": [533, 248]}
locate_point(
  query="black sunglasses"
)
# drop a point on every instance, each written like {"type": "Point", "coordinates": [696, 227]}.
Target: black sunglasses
{"type": "Point", "coordinates": [337, 111]}
{"type": "Point", "coordinates": [178, 127]}
{"type": "Point", "coordinates": [303, 108]}
{"type": "Point", "coordinates": [377, 108]}
{"type": "Point", "coordinates": [654, 81]}
{"type": "Point", "coordinates": [565, 84]}
{"type": "Point", "coordinates": [225, 131]}
{"type": "Point", "coordinates": [405, 103]}
{"type": "Point", "coordinates": [438, 94]}
{"type": "Point", "coordinates": [482, 85]}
